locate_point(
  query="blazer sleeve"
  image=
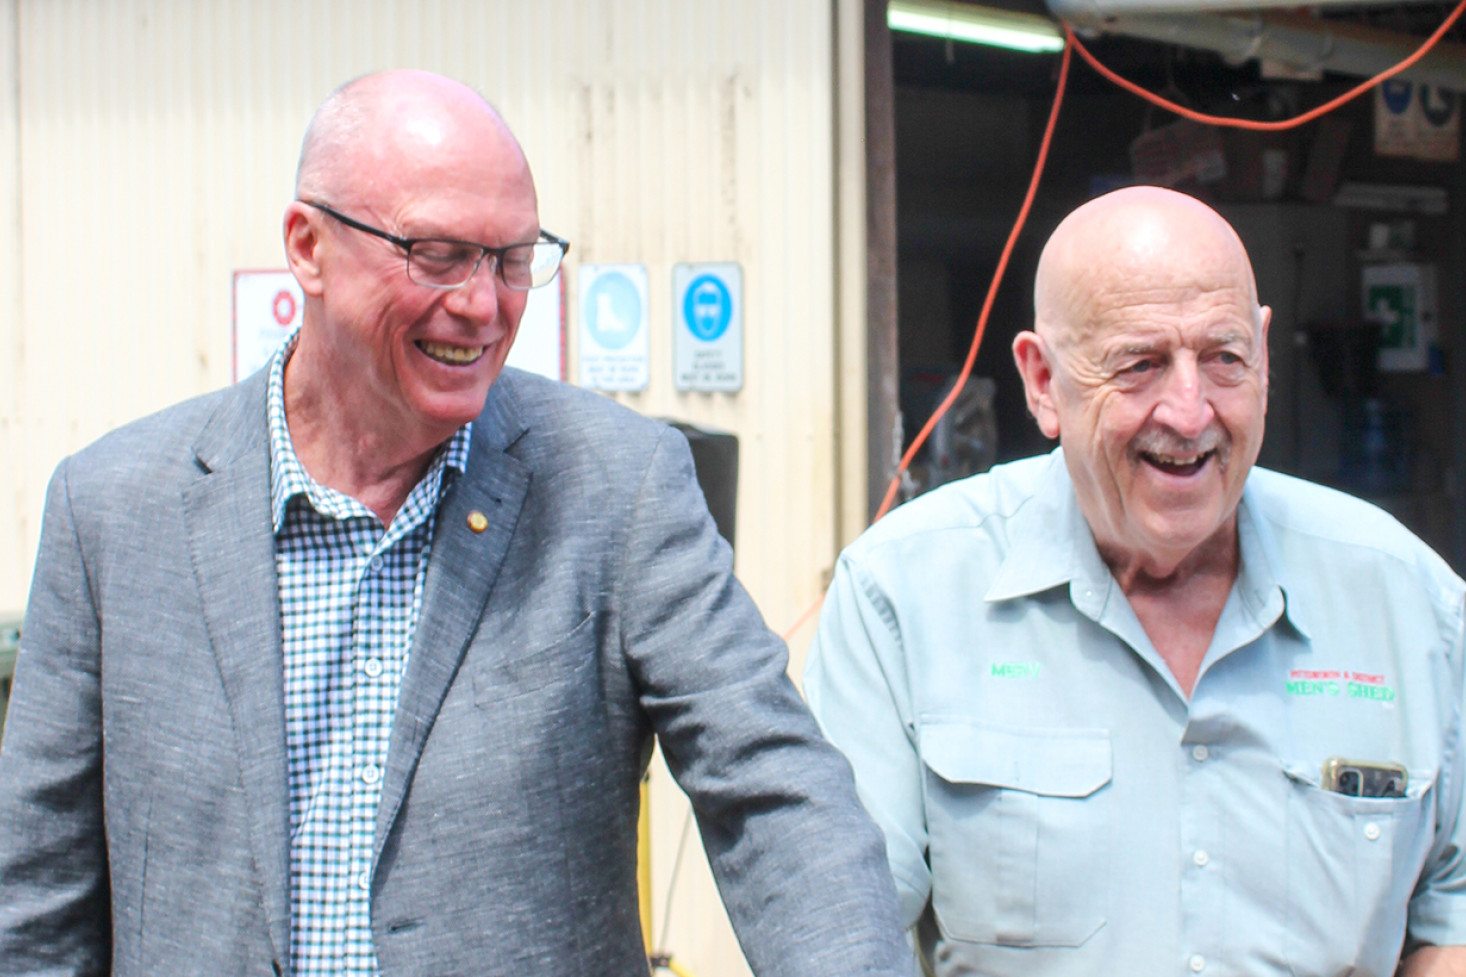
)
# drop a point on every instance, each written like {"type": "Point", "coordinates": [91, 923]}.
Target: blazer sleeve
{"type": "Point", "coordinates": [800, 866]}
{"type": "Point", "coordinates": [54, 890]}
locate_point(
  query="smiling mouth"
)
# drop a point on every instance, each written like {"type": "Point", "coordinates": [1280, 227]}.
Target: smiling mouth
{"type": "Point", "coordinates": [450, 355]}
{"type": "Point", "coordinates": [1177, 464]}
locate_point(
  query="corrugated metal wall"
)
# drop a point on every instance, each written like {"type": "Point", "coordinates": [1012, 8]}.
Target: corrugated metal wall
{"type": "Point", "coordinates": [18, 504]}
{"type": "Point", "coordinates": [147, 149]}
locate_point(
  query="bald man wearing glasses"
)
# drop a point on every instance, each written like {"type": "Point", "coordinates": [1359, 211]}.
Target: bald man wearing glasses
{"type": "Point", "coordinates": [354, 668]}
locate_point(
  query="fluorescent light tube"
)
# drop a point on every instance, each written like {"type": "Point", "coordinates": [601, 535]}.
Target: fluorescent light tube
{"type": "Point", "coordinates": [979, 25]}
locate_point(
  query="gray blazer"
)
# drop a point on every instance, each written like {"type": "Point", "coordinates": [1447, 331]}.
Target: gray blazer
{"type": "Point", "coordinates": [143, 796]}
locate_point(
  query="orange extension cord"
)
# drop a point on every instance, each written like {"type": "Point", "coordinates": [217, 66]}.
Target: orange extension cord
{"type": "Point", "coordinates": [987, 305]}
{"type": "Point", "coordinates": [1072, 43]}
{"type": "Point", "coordinates": [1293, 123]}
{"type": "Point", "coordinates": [982, 319]}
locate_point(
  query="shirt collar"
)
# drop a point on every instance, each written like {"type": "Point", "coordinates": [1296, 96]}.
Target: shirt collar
{"type": "Point", "coordinates": [1263, 582]}
{"type": "Point", "coordinates": [1050, 544]}
{"type": "Point", "coordinates": [288, 477]}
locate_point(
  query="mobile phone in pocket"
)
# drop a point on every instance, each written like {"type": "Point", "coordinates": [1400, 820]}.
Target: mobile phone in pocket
{"type": "Point", "coordinates": [1357, 778]}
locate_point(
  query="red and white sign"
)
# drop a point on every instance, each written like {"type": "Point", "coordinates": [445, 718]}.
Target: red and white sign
{"type": "Point", "coordinates": [268, 305]}
{"type": "Point", "coordinates": [267, 308]}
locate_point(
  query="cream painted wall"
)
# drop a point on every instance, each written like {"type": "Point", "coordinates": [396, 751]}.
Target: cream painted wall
{"type": "Point", "coordinates": [18, 510]}
{"type": "Point", "coordinates": [147, 149]}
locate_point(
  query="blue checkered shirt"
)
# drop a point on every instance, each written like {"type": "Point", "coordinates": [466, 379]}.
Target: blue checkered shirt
{"type": "Point", "coordinates": [350, 593]}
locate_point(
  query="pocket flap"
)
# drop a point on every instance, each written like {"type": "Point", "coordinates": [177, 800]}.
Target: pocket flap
{"type": "Point", "coordinates": [1052, 762]}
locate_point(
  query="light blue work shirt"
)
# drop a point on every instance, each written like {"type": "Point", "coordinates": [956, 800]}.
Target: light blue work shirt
{"type": "Point", "coordinates": [1054, 805]}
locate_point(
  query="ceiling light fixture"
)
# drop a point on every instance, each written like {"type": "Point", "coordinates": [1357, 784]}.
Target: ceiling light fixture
{"type": "Point", "coordinates": [979, 25]}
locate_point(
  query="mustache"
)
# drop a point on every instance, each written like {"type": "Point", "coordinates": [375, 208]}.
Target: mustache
{"type": "Point", "coordinates": [1164, 441]}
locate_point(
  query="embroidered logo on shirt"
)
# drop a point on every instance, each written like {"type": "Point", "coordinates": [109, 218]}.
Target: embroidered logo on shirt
{"type": "Point", "coordinates": [1336, 682]}
{"type": "Point", "coordinates": [1014, 670]}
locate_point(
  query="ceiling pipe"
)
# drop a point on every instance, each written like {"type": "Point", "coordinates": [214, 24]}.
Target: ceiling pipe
{"type": "Point", "coordinates": [1077, 11]}
{"type": "Point", "coordinates": [1296, 40]}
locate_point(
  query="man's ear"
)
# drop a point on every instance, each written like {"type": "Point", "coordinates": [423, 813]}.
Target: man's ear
{"type": "Point", "coordinates": [1036, 366]}
{"type": "Point", "coordinates": [1264, 319]}
{"type": "Point", "coordinates": [302, 240]}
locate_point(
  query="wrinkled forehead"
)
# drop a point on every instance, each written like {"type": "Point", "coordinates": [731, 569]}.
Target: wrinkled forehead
{"type": "Point", "coordinates": [1144, 300]}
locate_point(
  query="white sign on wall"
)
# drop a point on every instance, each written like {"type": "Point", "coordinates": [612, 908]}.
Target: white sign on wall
{"type": "Point", "coordinates": [614, 351]}
{"type": "Point", "coordinates": [540, 345]}
{"type": "Point", "coordinates": [267, 307]}
{"type": "Point", "coordinates": [1418, 121]}
{"type": "Point", "coordinates": [1402, 299]}
{"type": "Point", "coordinates": [707, 335]}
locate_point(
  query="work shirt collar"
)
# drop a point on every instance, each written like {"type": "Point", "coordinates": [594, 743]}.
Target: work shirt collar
{"type": "Point", "coordinates": [1050, 544]}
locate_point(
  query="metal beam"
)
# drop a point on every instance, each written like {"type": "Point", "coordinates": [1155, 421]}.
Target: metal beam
{"type": "Point", "coordinates": [1298, 40]}
{"type": "Point", "coordinates": [882, 360]}
{"type": "Point", "coordinates": [1086, 11]}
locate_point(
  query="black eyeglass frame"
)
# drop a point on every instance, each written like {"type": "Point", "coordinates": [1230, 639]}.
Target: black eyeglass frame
{"type": "Point", "coordinates": [406, 244]}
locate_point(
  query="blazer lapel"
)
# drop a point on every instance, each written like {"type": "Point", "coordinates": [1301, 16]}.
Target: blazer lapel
{"type": "Point", "coordinates": [227, 517]}
{"type": "Point", "coordinates": [461, 572]}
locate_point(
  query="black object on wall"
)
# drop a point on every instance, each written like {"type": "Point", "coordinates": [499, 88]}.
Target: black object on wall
{"type": "Point", "coordinates": [715, 456]}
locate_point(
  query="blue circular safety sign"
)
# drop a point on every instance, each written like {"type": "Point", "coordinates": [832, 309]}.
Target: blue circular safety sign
{"type": "Point", "coordinates": [612, 309]}
{"type": "Point", "coordinates": [707, 308]}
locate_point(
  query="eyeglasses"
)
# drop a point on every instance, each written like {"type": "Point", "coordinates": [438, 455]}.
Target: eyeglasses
{"type": "Point", "coordinates": [447, 264]}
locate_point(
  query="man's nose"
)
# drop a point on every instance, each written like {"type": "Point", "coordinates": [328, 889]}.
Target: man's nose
{"type": "Point", "coordinates": [478, 298]}
{"type": "Point", "coordinates": [1184, 406]}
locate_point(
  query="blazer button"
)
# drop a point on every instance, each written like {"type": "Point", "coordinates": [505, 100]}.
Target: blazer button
{"type": "Point", "coordinates": [477, 521]}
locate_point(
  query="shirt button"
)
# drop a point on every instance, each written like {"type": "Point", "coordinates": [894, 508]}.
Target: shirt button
{"type": "Point", "coordinates": [364, 880]}
{"type": "Point", "coordinates": [1197, 963]}
{"type": "Point", "coordinates": [1371, 831]}
{"type": "Point", "coordinates": [1201, 858]}
{"type": "Point", "coordinates": [373, 667]}
{"type": "Point", "coordinates": [1199, 753]}
{"type": "Point", "coordinates": [376, 563]}
{"type": "Point", "coordinates": [371, 774]}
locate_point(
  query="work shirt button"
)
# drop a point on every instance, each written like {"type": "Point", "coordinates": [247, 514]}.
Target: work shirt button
{"type": "Point", "coordinates": [1199, 753]}
{"type": "Point", "coordinates": [376, 563]}
{"type": "Point", "coordinates": [364, 880]}
{"type": "Point", "coordinates": [373, 667]}
{"type": "Point", "coordinates": [1197, 963]}
{"type": "Point", "coordinates": [370, 773]}
{"type": "Point", "coordinates": [1201, 858]}
{"type": "Point", "coordinates": [1371, 831]}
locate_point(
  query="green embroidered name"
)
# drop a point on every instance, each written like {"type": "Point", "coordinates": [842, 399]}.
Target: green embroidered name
{"type": "Point", "coordinates": [1379, 693]}
{"type": "Point", "coordinates": [1015, 669]}
{"type": "Point", "coordinates": [1301, 687]}
{"type": "Point", "coordinates": [1352, 690]}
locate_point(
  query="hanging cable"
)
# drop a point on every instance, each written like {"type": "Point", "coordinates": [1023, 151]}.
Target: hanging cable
{"type": "Point", "coordinates": [982, 319]}
{"type": "Point", "coordinates": [672, 882]}
{"type": "Point", "coordinates": [1283, 124]}
{"type": "Point", "coordinates": [1073, 43]}
{"type": "Point", "coordinates": [987, 305]}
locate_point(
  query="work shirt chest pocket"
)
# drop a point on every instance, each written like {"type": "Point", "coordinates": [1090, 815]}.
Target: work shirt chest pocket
{"type": "Point", "coordinates": [1016, 823]}
{"type": "Point", "coordinates": [1352, 863]}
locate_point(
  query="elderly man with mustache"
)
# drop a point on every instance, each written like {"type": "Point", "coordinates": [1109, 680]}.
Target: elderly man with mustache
{"type": "Point", "coordinates": [1138, 707]}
